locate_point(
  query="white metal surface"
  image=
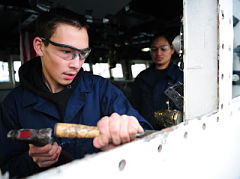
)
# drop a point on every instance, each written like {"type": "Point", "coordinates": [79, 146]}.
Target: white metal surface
{"type": "Point", "coordinates": [204, 148]}
{"type": "Point", "coordinates": [225, 54]}
{"type": "Point", "coordinates": [200, 57]}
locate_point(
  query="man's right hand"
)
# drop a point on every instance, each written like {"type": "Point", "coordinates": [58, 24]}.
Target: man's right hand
{"type": "Point", "coordinates": [46, 155]}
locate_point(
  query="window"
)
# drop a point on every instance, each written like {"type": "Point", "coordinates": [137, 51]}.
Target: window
{"type": "Point", "coordinates": [137, 68]}
{"type": "Point", "coordinates": [9, 72]}
{"type": "Point", "coordinates": [117, 72]}
{"type": "Point", "coordinates": [16, 66]}
{"type": "Point", "coordinates": [4, 72]}
{"type": "Point", "coordinates": [86, 67]}
{"type": "Point", "coordinates": [101, 69]}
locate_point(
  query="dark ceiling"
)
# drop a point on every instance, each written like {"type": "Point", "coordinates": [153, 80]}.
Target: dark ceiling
{"type": "Point", "coordinates": [118, 29]}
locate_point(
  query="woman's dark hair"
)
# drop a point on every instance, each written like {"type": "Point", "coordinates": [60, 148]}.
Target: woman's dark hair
{"type": "Point", "coordinates": [47, 22]}
{"type": "Point", "coordinates": [167, 36]}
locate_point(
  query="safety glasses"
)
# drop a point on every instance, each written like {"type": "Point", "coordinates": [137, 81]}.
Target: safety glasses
{"type": "Point", "coordinates": [68, 52]}
{"type": "Point", "coordinates": [162, 48]}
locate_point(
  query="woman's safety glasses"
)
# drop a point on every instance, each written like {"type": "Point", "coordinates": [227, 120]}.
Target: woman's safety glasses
{"type": "Point", "coordinates": [162, 48]}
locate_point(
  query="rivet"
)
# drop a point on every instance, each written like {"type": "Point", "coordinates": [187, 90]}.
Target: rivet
{"type": "Point", "coordinates": [204, 126]}
{"type": "Point", "coordinates": [160, 148]}
{"type": "Point", "coordinates": [122, 164]}
{"type": "Point", "coordinates": [222, 14]}
{"type": "Point", "coordinates": [185, 135]}
{"type": "Point", "coordinates": [221, 106]}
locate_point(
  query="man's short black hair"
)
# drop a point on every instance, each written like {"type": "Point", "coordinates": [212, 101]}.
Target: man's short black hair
{"type": "Point", "coordinates": [46, 23]}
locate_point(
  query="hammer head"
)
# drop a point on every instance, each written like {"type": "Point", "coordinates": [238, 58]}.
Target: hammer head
{"type": "Point", "coordinates": [36, 137]}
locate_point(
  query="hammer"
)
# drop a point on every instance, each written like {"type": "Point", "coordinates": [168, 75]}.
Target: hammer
{"type": "Point", "coordinates": [41, 137]}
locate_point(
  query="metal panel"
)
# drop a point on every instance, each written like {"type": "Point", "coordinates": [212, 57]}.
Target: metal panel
{"type": "Point", "coordinates": [200, 57]}
{"type": "Point", "coordinates": [207, 148]}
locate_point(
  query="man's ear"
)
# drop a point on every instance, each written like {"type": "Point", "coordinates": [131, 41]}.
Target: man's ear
{"type": "Point", "coordinates": [38, 46]}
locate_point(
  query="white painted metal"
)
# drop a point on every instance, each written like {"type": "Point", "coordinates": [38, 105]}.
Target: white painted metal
{"type": "Point", "coordinates": [205, 148]}
{"type": "Point", "coordinates": [200, 57]}
{"type": "Point", "coordinates": [225, 51]}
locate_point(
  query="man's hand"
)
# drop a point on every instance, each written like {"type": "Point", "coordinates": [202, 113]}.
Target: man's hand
{"type": "Point", "coordinates": [117, 130]}
{"type": "Point", "coordinates": [46, 155]}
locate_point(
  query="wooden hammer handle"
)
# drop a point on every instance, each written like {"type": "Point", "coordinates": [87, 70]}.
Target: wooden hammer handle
{"type": "Point", "coordinates": [67, 130]}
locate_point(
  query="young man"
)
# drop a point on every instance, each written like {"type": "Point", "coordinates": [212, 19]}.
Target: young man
{"type": "Point", "coordinates": [149, 86]}
{"type": "Point", "coordinates": [54, 88]}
